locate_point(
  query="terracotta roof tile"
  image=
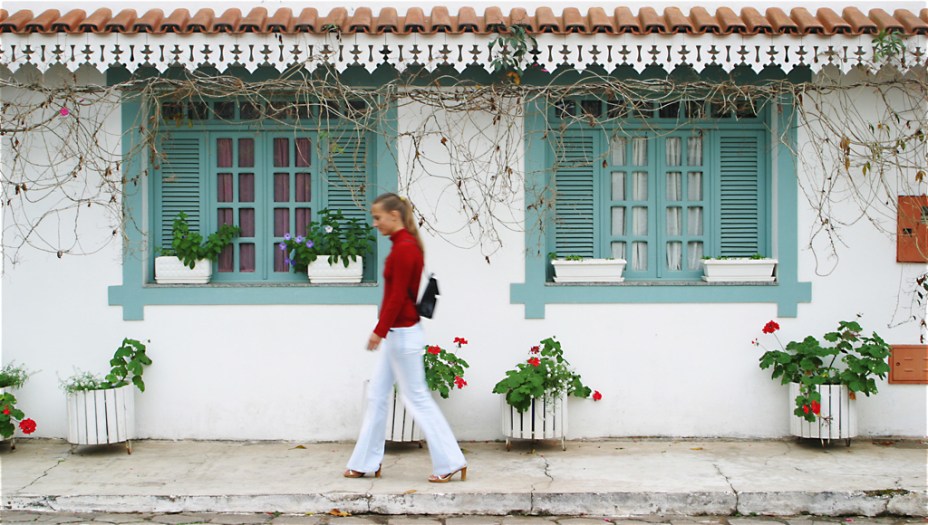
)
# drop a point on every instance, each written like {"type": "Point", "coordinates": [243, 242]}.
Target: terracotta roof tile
{"type": "Point", "coordinates": [860, 24]}
{"type": "Point", "coordinates": [43, 22]}
{"type": "Point", "coordinates": [202, 21]}
{"type": "Point", "coordinates": [440, 20]}
{"type": "Point", "coordinates": [621, 20]}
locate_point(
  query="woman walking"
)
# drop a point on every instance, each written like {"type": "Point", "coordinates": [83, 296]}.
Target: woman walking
{"type": "Point", "coordinates": [401, 361]}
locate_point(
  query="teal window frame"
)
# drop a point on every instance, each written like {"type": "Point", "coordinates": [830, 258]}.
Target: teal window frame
{"type": "Point", "coordinates": [781, 214]}
{"type": "Point", "coordinates": [138, 288]}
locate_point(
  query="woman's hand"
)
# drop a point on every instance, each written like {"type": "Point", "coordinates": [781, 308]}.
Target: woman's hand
{"type": "Point", "coordinates": [374, 342]}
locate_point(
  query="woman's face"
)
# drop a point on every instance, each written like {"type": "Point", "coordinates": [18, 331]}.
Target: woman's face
{"type": "Point", "coordinates": [386, 222]}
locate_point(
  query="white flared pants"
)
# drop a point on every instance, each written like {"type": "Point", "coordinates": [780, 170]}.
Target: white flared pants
{"type": "Point", "coordinates": [401, 362]}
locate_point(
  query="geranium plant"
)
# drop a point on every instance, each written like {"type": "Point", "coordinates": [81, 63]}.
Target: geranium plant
{"type": "Point", "coordinates": [190, 247]}
{"type": "Point", "coordinates": [127, 365]}
{"type": "Point", "coordinates": [333, 235]}
{"type": "Point", "coordinates": [545, 373]}
{"type": "Point", "coordinates": [444, 370]}
{"type": "Point", "coordinates": [9, 415]}
{"type": "Point", "coordinates": [847, 357]}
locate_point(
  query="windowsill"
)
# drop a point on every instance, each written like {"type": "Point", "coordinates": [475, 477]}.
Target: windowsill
{"type": "Point", "coordinates": [665, 283]}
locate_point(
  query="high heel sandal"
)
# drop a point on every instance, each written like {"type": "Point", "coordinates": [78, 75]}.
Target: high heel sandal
{"type": "Point", "coordinates": [356, 474]}
{"type": "Point", "coordinates": [447, 477]}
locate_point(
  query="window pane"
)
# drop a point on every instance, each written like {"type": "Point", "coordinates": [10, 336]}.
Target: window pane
{"type": "Point", "coordinates": [640, 186]}
{"type": "Point", "coordinates": [281, 187]}
{"type": "Point", "coordinates": [246, 221]}
{"type": "Point", "coordinates": [673, 155]}
{"type": "Point", "coordinates": [246, 187]}
{"type": "Point", "coordinates": [281, 221]}
{"type": "Point", "coordinates": [674, 186]}
{"type": "Point", "coordinates": [618, 250]}
{"type": "Point", "coordinates": [694, 255]}
{"type": "Point", "coordinates": [591, 108]}
{"type": "Point", "coordinates": [675, 256]}
{"type": "Point", "coordinates": [303, 217]}
{"type": "Point", "coordinates": [303, 154]}
{"type": "Point", "coordinates": [694, 221]}
{"type": "Point", "coordinates": [618, 185]}
{"type": "Point", "coordinates": [670, 110]}
{"type": "Point", "coordinates": [674, 221]}
{"type": "Point", "coordinates": [246, 153]}
{"type": "Point", "coordinates": [618, 151]}
{"type": "Point", "coordinates": [639, 256]}
{"type": "Point", "coordinates": [224, 187]}
{"type": "Point", "coordinates": [640, 151]}
{"type": "Point", "coordinates": [224, 153]}
{"type": "Point", "coordinates": [249, 111]}
{"type": "Point", "coordinates": [640, 221]}
{"type": "Point", "coordinates": [694, 151]}
{"type": "Point", "coordinates": [618, 220]}
{"type": "Point", "coordinates": [694, 109]}
{"type": "Point", "coordinates": [225, 216]}
{"type": "Point", "coordinates": [694, 186]}
{"type": "Point", "coordinates": [281, 153]}
{"type": "Point", "coordinates": [226, 261]}
{"type": "Point", "coordinates": [224, 110]}
{"type": "Point", "coordinates": [246, 257]}
{"type": "Point", "coordinates": [303, 187]}
{"type": "Point", "coordinates": [280, 264]}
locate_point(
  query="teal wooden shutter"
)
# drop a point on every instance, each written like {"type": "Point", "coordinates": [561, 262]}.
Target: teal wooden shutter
{"type": "Point", "coordinates": [741, 171]}
{"type": "Point", "coordinates": [346, 175]}
{"type": "Point", "coordinates": [178, 187]}
{"type": "Point", "coordinates": [574, 222]}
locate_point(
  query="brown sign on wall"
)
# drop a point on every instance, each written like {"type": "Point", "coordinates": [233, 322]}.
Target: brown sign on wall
{"type": "Point", "coordinates": [908, 364]}
{"type": "Point", "coordinates": [912, 229]}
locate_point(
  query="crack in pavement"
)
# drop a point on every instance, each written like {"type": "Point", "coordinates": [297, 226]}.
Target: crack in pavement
{"type": "Point", "coordinates": [49, 469]}
{"type": "Point", "coordinates": [730, 485]}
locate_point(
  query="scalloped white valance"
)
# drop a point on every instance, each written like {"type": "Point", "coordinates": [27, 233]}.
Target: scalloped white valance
{"type": "Point", "coordinates": [253, 50]}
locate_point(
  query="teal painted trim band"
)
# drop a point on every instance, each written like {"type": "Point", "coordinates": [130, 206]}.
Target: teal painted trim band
{"type": "Point", "coordinates": [535, 293]}
{"type": "Point", "coordinates": [134, 294]}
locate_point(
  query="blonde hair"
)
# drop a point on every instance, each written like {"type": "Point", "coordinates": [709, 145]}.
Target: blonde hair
{"type": "Point", "coordinates": [393, 202]}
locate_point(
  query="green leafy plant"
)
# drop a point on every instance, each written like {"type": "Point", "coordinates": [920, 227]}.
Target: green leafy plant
{"type": "Point", "coordinates": [545, 373]}
{"type": "Point", "coordinates": [886, 45]}
{"type": "Point", "coordinates": [851, 359]}
{"type": "Point", "coordinates": [444, 370]}
{"type": "Point", "coordinates": [513, 44]}
{"type": "Point", "coordinates": [9, 415]}
{"type": "Point", "coordinates": [333, 235]}
{"type": "Point", "coordinates": [127, 365]}
{"type": "Point", "coordinates": [754, 257]}
{"type": "Point", "coordinates": [13, 375]}
{"type": "Point", "coordinates": [190, 247]}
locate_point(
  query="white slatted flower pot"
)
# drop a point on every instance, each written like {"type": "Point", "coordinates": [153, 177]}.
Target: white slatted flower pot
{"type": "Point", "coordinates": [100, 417]}
{"type": "Point", "coordinates": [836, 420]}
{"type": "Point", "coordinates": [171, 270]}
{"type": "Point", "coordinates": [739, 270]}
{"type": "Point", "coordinates": [589, 271]}
{"type": "Point", "coordinates": [321, 272]}
{"type": "Point", "coordinates": [12, 438]}
{"type": "Point", "coordinates": [546, 418]}
{"type": "Point", "coordinates": [401, 427]}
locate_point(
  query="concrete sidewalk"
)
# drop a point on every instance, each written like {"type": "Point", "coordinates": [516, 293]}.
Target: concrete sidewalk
{"type": "Point", "coordinates": [608, 478]}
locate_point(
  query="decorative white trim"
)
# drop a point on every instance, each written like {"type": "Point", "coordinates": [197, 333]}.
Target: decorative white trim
{"type": "Point", "coordinates": [252, 50]}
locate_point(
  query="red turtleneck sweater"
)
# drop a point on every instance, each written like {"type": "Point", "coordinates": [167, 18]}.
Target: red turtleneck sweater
{"type": "Point", "coordinates": [401, 273]}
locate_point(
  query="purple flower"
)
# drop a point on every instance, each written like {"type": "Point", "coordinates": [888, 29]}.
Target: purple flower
{"type": "Point", "coordinates": [310, 244]}
{"type": "Point", "coordinates": [287, 261]}
{"type": "Point", "coordinates": [299, 239]}
{"type": "Point", "coordinates": [283, 246]}
{"type": "Point", "coordinates": [286, 236]}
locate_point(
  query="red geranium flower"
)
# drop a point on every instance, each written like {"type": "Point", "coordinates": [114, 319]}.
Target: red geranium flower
{"type": "Point", "coordinates": [435, 350]}
{"type": "Point", "coordinates": [535, 349]}
{"type": "Point", "coordinates": [816, 408]}
{"type": "Point", "coordinates": [459, 381]}
{"type": "Point", "coordinates": [460, 341]}
{"type": "Point", "coordinates": [596, 395]}
{"type": "Point", "coordinates": [534, 361]}
{"type": "Point", "coordinates": [805, 409]}
{"type": "Point", "coordinates": [771, 327]}
{"type": "Point", "coordinates": [6, 410]}
{"type": "Point", "coordinates": [27, 426]}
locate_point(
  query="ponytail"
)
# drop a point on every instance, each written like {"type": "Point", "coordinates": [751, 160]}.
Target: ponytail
{"type": "Point", "coordinates": [393, 202]}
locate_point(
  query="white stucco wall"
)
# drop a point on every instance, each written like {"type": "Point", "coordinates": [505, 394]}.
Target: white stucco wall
{"type": "Point", "coordinates": [296, 372]}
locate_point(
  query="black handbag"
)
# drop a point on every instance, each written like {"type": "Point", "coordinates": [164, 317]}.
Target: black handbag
{"type": "Point", "coordinates": [426, 304]}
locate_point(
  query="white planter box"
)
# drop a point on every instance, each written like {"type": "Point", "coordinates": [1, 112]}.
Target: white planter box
{"type": "Point", "coordinates": [99, 417]}
{"type": "Point", "coordinates": [170, 270]}
{"type": "Point", "coordinates": [837, 419]}
{"type": "Point", "coordinates": [321, 272]}
{"type": "Point", "coordinates": [400, 425]}
{"type": "Point", "coordinates": [13, 437]}
{"type": "Point", "coordinates": [588, 271]}
{"type": "Point", "coordinates": [546, 418]}
{"type": "Point", "coordinates": [739, 270]}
